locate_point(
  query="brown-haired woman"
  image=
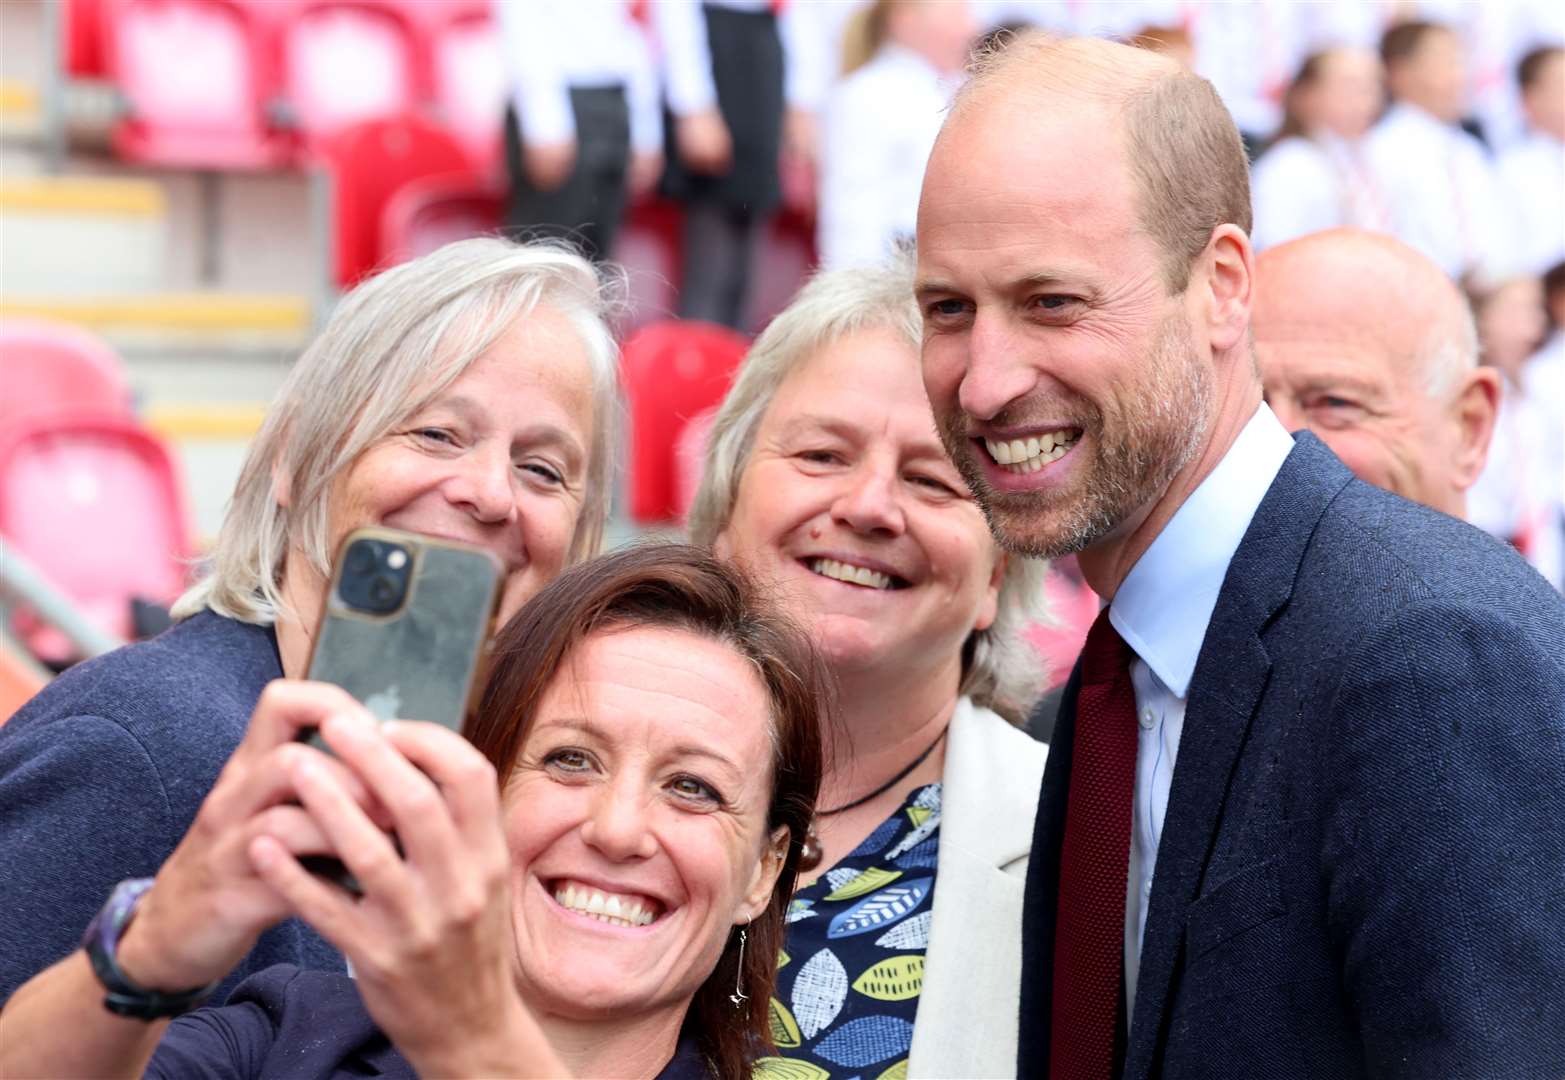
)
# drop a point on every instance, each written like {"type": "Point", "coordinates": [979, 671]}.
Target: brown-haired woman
{"type": "Point", "coordinates": [612, 906]}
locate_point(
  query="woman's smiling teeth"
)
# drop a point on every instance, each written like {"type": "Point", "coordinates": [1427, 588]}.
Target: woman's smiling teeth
{"type": "Point", "coordinates": [616, 909]}
{"type": "Point", "coordinates": [853, 575]}
{"type": "Point", "coordinates": [1030, 455]}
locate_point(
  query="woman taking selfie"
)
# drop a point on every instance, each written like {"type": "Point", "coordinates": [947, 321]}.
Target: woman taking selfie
{"type": "Point", "coordinates": [826, 478]}
{"type": "Point", "coordinates": [467, 395]}
{"type": "Point", "coordinates": [596, 885]}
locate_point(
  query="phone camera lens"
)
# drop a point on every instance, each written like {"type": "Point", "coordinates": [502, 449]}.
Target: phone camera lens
{"type": "Point", "coordinates": [361, 558]}
{"type": "Point", "coordinates": [383, 592]}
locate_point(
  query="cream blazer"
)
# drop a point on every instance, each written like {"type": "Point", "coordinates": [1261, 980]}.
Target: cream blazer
{"type": "Point", "coordinates": [967, 1012]}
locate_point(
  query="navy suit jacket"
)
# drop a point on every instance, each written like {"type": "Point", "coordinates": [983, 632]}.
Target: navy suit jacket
{"type": "Point", "coordinates": [1362, 869]}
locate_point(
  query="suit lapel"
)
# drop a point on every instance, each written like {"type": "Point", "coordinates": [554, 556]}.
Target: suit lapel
{"type": "Point", "coordinates": [1230, 676]}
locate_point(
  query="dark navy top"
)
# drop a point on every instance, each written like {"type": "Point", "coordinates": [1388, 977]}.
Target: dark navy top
{"type": "Point", "coordinates": [101, 774]}
{"type": "Point", "coordinates": [853, 959]}
{"type": "Point", "coordinates": [291, 1024]}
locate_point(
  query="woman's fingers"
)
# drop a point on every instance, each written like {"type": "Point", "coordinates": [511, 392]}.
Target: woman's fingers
{"type": "Point", "coordinates": [325, 907]}
{"type": "Point", "coordinates": [267, 780]}
{"type": "Point", "coordinates": [289, 707]}
{"type": "Point", "coordinates": [293, 828]}
{"type": "Point", "coordinates": [463, 774]}
{"type": "Point", "coordinates": [418, 810]}
{"type": "Point", "coordinates": [367, 852]}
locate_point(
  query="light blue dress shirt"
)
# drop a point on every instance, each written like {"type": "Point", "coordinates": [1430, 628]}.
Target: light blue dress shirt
{"type": "Point", "coordinates": [1162, 610]}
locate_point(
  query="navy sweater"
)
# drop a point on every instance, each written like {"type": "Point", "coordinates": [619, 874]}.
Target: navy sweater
{"type": "Point", "coordinates": [287, 1024]}
{"type": "Point", "coordinates": [102, 773]}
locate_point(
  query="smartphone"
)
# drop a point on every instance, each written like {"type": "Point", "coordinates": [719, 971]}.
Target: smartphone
{"type": "Point", "coordinates": [405, 629]}
{"type": "Point", "coordinates": [406, 625]}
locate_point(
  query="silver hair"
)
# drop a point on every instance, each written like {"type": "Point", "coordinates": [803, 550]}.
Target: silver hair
{"type": "Point", "coordinates": [1001, 670]}
{"type": "Point", "coordinates": [1449, 352]}
{"type": "Point", "coordinates": [392, 345]}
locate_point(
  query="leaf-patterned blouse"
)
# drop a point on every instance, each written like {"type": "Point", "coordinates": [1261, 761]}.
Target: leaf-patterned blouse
{"type": "Point", "coordinates": [853, 959]}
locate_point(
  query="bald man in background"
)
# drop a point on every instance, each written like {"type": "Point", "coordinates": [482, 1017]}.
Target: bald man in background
{"type": "Point", "coordinates": [1369, 345]}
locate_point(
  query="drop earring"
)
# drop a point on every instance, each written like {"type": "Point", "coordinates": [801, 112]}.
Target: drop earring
{"type": "Point", "coordinates": [739, 997]}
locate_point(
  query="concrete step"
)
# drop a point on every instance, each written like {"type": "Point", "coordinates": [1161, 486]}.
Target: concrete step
{"type": "Point", "coordinates": [80, 235]}
{"type": "Point", "coordinates": [180, 325]}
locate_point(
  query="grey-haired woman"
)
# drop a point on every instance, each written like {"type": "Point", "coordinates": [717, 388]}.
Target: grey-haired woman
{"type": "Point", "coordinates": [468, 394]}
{"type": "Point", "coordinates": [826, 476]}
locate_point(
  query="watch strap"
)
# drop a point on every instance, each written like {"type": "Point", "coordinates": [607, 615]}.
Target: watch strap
{"type": "Point", "coordinates": [101, 942]}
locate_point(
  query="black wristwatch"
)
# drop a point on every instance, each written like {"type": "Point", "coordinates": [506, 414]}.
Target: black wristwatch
{"type": "Point", "coordinates": [102, 940]}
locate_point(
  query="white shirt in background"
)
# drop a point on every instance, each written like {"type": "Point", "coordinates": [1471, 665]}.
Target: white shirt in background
{"type": "Point", "coordinates": [1517, 496]}
{"type": "Point", "coordinates": [878, 128]}
{"type": "Point", "coordinates": [1543, 381]}
{"type": "Point", "coordinates": [1497, 36]}
{"type": "Point", "coordinates": [1442, 193]}
{"type": "Point", "coordinates": [687, 57]}
{"type": "Point", "coordinates": [552, 46]}
{"type": "Point", "coordinates": [1250, 52]}
{"type": "Point", "coordinates": [1162, 610]}
{"type": "Point", "coordinates": [1302, 185]}
{"type": "Point", "coordinates": [1532, 182]}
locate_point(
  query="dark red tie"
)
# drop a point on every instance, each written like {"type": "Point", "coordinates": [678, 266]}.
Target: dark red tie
{"type": "Point", "coordinates": [1089, 937]}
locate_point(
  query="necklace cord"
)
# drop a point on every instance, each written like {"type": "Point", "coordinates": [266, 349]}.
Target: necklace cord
{"type": "Point", "coordinates": [889, 784]}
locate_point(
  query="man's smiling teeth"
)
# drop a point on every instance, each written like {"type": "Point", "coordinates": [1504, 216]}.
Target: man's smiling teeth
{"type": "Point", "coordinates": [857, 575]}
{"type": "Point", "coordinates": [1030, 455]}
{"type": "Point", "coordinates": [612, 908]}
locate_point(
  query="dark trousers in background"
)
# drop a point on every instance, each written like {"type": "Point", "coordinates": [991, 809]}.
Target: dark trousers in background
{"type": "Point", "coordinates": [726, 215]}
{"type": "Point", "coordinates": [588, 208]}
{"type": "Point", "coordinates": [719, 245]}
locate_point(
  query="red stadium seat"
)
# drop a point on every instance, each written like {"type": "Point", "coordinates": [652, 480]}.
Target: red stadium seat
{"type": "Point", "coordinates": [55, 367]}
{"type": "Point", "coordinates": [197, 81]}
{"type": "Point", "coordinates": [96, 504]}
{"type": "Point", "coordinates": [348, 61]}
{"type": "Point", "coordinates": [432, 211]}
{"type": "Point", "coordinates": [672, 372]}
{"type": "Point", "coordinates": [467, 75]}
{"type": "Point", "coordinates": [82, 43]}
{"type": "Point", "coordinates": [370, 163]}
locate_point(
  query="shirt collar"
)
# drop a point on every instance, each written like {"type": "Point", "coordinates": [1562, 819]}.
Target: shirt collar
{"type": "Point", "coordinates": [1165, 603]}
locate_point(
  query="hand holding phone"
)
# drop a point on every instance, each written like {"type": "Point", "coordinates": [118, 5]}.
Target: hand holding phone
{"type": "Point", "coordinates": [405, 629]}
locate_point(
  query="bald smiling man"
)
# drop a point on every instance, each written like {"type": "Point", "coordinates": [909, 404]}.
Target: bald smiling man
{"type": "Point", "coordinates": [1368, 344]}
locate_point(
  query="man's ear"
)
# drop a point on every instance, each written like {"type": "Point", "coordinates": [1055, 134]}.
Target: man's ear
{"type": "Point", "coordinates": [767, 870]}
{"type": "Point", "coordinates": [1229, 267]}
{"type": "Point", "coordinates": [1473, 409]}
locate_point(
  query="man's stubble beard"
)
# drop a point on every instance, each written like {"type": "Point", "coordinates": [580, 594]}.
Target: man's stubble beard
{"type": "Point", "coordinates": [1133, 464]}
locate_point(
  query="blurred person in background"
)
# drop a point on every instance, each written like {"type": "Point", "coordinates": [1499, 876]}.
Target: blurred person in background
{"type": "Point", "coordinates": [1513, 496]}
{"type": "Point", "coordinates": [1436, 179]}
{"type": "Point", "coordinates": [584, 124]}
{"type": "Point", "coordinates": [1315, 176]}
{"type": "Point", "coordinates": [903, 61]}
{"type": "Point", "coordinates": [469, 394]}
{"type": "Point", "coordinates": [1543, 382]}
{"type": "Point", "coordinates": [595, 886]}
{"type": "Point", "coordinates": [826, 479]}
{"type": "Point", "coordinates": [1532, 172]}
{"type": "Point", "coordinates": [732, 84]}
{"type": "Point", "coordinates": [1366, 343]}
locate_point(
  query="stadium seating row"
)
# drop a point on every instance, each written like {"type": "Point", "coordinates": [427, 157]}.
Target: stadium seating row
{"type": "Point", "coordinates": [252, 84]}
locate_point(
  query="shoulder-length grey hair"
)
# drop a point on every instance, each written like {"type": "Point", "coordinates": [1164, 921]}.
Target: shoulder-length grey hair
{"type": "Point", "coordinates": [392, 345]}
{"type": "Point", "coordinates": [1000, 670]}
